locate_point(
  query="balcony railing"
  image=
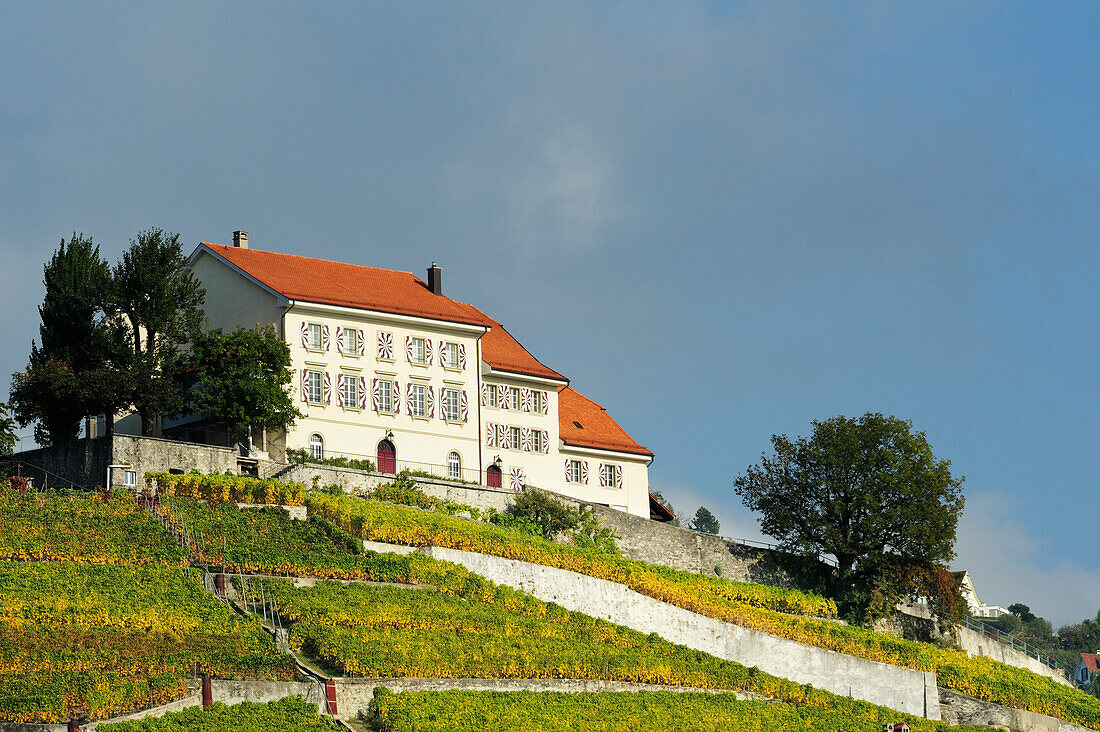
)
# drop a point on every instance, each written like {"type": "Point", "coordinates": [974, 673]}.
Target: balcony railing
{"type": "Point", "coordinates": [336, 459]}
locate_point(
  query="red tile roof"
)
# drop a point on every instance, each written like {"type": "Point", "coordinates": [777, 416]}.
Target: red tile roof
{"type": "Point", "coordinates": [382, 290]}
{"type": "Point", "coordinates": [348, 285]}
{"type": "Point", "coordinates": [1092, 662]}
{"type": "Point", "coordinates": [584, 423]}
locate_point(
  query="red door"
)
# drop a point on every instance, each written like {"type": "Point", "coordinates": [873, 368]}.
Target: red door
{"type": "Point", "coordinates": [387, 458]}
{"type": "Point", "coordinates": [492, 477]}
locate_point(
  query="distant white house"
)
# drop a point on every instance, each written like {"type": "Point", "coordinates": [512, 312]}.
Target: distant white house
{"type": "Point", "coordinates": [1088, 666]}
{"type": "Point", "coordinates": [974, 605]}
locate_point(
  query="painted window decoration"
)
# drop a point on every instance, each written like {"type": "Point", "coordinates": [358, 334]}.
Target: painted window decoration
{"type": "Point", "coordinates": [385, 345]}
{"type": "Point", "coordinates": [517, 478]}
{"type": "Point", "coordinates": [362, 391]}
{"type": "Point", "coordinates": [527, 399]}
{"type": "Point", "coordinates": [527, 439]}
{"type": "Point", "coordinates": [504, 437]}
{"type": "Point", "coordinates": [502, 396]}
{"type": "Point", "coordinates": [490, 434]}
{"type": "Point", "coordinates": [576, 471]}
{"type": "Point", "coordinates": [417, 396]}
{"type": "Point", "coordinates": [452, 355]}
{"type": "Point", "coordinates": [347, 390]}
{"type": "Point", "coordinates": [450, 405]}
{"type": "Point", "coordinates": [348, 342]}
{"type": "Point", "coordinates": [431, 401]}
{"type": "Point", "coordinates": [414, 349]}
{"type": "Point", "coordinates": [313, 384]}
{"type": "Point", "coordinates": [611, 476]}
{"type": "Point", "coordinates": [316, 447]}
{"type": "Point", "coordinates": [386, 396]}
{"type": "Point", "coordinates": [454, 465]}
{"type": "Point", "coordinates": [545, 402]}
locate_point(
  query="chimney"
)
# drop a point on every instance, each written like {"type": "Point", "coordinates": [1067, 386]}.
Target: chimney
{"type": "Point", "coordinates": [435, 279]}
{"type": "Point", "coordinates": [240, 239]}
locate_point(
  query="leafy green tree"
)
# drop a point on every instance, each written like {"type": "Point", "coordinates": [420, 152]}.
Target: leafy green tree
{"type": "Point", "coordinates": [242, 379]}
{"type": "Point", "coordinates": [1022, 611]}
{"type": "Point", "coordinates": [160, 301]}
{"type": "Point", "coordinates": [548, 513]}
{"type": "Point", "coordinates": [705, 522]}
{"type": "Point", "coordinates": [8, 440]}
{"type": "Point", "coordinates": [56, 389]}
{"type": "Point", "coordinates": [866, 491]}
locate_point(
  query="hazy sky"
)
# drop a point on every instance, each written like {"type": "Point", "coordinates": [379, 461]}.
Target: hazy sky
{"type": "Point", "coordinates": [720, 221]}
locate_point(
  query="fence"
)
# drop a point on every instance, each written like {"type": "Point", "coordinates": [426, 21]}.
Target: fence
{"type": "Point", "coordinates": [40, 477]}
{"type": "Point", "coordinates": [336, 459]}
{"type": "Point", "coordinates": [1016, 644]}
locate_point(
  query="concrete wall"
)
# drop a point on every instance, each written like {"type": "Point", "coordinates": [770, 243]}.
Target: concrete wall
{"type": "Point", "coordinates": [959, 709]}
{"type": "Point", "coordinates": [902, 689]}
{"type": "Point", "coordinates": [83, 462]}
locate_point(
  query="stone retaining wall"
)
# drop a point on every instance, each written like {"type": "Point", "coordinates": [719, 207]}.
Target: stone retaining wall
{"type": "Point", "coordinates": [960, 709]}
{"type": "Point", "coordinates": [898, 688]}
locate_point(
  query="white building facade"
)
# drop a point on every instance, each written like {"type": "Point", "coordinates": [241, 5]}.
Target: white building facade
{"type": "Point", "coordinates": [388, 369]}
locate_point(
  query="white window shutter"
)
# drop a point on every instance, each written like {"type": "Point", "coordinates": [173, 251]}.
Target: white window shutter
{"type": "Point", "coordinates": [305, 385]}
{"type": "Point", "coordinates": [361, 342]}
{"type": "Point", "coordinates": [502, 436]}
{"type": "Point", "coordinates": [385, 345]}
{"type": "Point", "coordinates": [328, 388]}
{"type": "Point", "coordinates": [568, 477]}
{"type": "Point", "coordinates": [517, 479]}
{"type": "Point", "coordinates": [462, 356]}
{"type": "Point", "coordinates": [490, 434]}
{"type": "Point", "coordinates": [409, 348]}
{"type": "Point", "coordinates": [340, 390]}
{"type": "Point", "coordinates": [545, 442]}
{"type": "Point", "coordinates": [376, 391]}
{"type": "Point", "coordinates": [431, 401]}
{"type": "Point", "coordinates": [465, 407]}
{"type": "Point", "coordinates": [484, 395]}
{"type": "Point", "coordinates": [341, 341]}
{"type": "Point", "coordinates": [618, 477]}
{"type": "Point", "coordinates": [396, 398]}
{"type": "Point", "coordinates": [546, 402]}
{"type": "Point", "coordinates": [324, 337]}
{"type": "Point", "coordinates": [362, 392]}
{"type": "Point", "coordinates": [603, 478]}
{"type": "Point", "coordinates": [584, 472]}
{"type": "Point", "coordinates": [409, 399]}
{"type": "Point", "coordinates": [526, 399]}
{"type": "Point", "coordinates": [502, 397]}
{"type": "Point", "coordinates": [305, 335]}
{"type": "Point", "coordinates": [428, 351]}
{"type": "Point", "coordinates": [527, 440]}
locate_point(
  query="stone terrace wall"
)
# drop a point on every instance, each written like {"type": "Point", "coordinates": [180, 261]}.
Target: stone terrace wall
{"type": "Point", "coordinates": [959, 709]}
{"type": "Point", "coordinates": [898, 688]}
{"type": "Point", "coordinates": [156, 454]}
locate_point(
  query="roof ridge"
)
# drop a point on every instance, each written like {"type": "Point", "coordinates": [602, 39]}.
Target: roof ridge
{"type": "Point", "coordinates": [330, 261]}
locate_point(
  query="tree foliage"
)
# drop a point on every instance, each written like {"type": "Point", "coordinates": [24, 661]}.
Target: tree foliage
{"type": "Point", "coordinates": [705, 522]}
{"type": "Point", "coordinates": [241, 379]}
{"type": "Point", "coordinates": [667, 504]}
{"type": "Point", "coordinates": [160, 301]}
{"type": "Point", "coordinates": [8, 440]}
{"type": "Point", "coordinates": [866, 491]}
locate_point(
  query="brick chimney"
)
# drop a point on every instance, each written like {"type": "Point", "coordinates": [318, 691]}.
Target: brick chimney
{"type": "Point", "coordinates": [435, 279]}
{"type": "Point", "coordinates": [240, 239]}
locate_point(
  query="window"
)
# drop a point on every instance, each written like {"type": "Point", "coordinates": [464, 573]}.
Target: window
{"type": "Point", "coordinates": [351, 391]}
{"type": "Point", "coordinates": [609, 476]}
{"type": "Point", "coordinates": [351, 341]}
{"type": "Point", "coordinates": [513, 398]}
{"type": "Point", "coordinates": [573, 471]}
{"type": "Point", "coordinates": [129, 478]}
{"type": "Point", "coordinates": [515, 438]}
{"type": "Point", "coordinates": [536, 440]}
{"type": "Point", "coordinates": [316, 446]}
{"type": "Point", "coordinates": [417, 352]}
{"type": "Point", "coordinates": [450, 405]}
{"type": "Point", "coordinates": [418, 400]}
{"type": "Point", "coordinates": [314, 389]}
{"type": "Point", "coordinates": [315, 336]}
{"type": "Point", "coordinates": [492, 396]}
{"type": "Point", "coordinates": [450, 355]}
{"type": "Point", "coordinates": [454, 466]}
{"type": "Point", "coordinates": [537, 400]}
{"type": "Point", "coordinates": [385, 395]}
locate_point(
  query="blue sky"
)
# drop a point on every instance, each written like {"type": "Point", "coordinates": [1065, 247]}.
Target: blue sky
{"type": "Point", "coordinates": [720, 221]}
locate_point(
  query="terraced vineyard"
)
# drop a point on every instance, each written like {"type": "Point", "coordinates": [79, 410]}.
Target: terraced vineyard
{"type": "Point", "coordinates": [645, 711]}
{"type": "Point", "coordinates": [291, 713]}
{"type": "Point", "coordinates": [103, 640]}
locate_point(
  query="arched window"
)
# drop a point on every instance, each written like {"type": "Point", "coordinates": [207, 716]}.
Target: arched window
{"type": "Point", "coordinates": [454, 465]}
{"type": "Point", "coordinates": [387, 458]}
{"type": "Point", "coordinates": [316, 446]}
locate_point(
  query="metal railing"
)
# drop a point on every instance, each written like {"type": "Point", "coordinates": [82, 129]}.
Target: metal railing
{"type": "Point", "coordinates": [1014, 642]}
{"type": "Point", "coordinates": [337, 459]}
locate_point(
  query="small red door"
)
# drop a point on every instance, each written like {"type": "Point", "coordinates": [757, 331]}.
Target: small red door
{"type": "Point", "coordinates": [492, 477]}
{"type": "Point", "coordinates": [387, 458]}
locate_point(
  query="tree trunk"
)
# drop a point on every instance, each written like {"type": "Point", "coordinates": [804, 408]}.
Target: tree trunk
{"type": "Point", "coordinates": [147, 423]}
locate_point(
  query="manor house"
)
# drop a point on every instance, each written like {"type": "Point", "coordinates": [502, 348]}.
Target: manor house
{"type": "Point", "coordinates": [388, 368]}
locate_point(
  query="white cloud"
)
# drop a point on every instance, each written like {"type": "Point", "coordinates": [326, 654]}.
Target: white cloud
{"type": "Point", "coordinates": [1005, 560]}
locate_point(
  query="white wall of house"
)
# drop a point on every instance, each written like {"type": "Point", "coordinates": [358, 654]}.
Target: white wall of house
{"type": "Point", "coordinates": [232, 299]}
